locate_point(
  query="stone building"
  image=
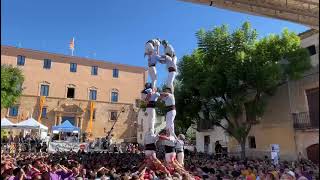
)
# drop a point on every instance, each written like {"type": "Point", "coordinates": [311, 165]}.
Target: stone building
{"type": "Point", "coordinates": [69, 84]}
{"type": "Point", "coordinates": [291, 118]}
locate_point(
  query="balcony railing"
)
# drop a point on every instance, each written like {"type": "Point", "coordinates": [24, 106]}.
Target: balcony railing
{"type": "Point", "coordinates": [305, 120]}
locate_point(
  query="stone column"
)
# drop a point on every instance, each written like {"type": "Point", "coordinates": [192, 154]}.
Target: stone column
{"type": "Point", "coordinates": [60, 119]}
{"type": "Point", "coordinates": [81, 122]}
{"type": "Point", "coordinates": [77, 121]}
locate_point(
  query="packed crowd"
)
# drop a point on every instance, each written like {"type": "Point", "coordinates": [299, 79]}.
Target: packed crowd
{"type": "Point", "coordinates": [104, 165]}
{"type": "Point", "coordinates": [20, 143]}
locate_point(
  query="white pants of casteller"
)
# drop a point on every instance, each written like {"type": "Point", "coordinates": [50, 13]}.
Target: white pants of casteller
{"type": "Point", "coordinates": [170, 156]}
{"type": "Point", "coordinates": [180, 158]}
{"type": "Point", "coordinates": [151, 118]}
{"type": "Point", "coordinates": [170, 121]}
{"type": "Point", "coordinates": [150, 154]}
{"type": "Point", "coordinates": [170, 79]}
{"type": "Point", "coordinates": [153, 75]}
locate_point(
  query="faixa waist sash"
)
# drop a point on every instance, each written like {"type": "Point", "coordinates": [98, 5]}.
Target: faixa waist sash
{"type": "Point", "coordinates": [171, 55]}
{"type": "Point", "coordinates": [179, 151]}
{"type": "Point", "coordinates": [151, 104]}
{"type": "Point", "coordinates": [170, 108]}
{"type": "Point", "coordinates": [169, 149]}
{"type": "Point", "coordinates": [151, 65]}
{"type": "Point", "coordinates": [171, 69]}
{"type": "Point", "coordinates": [150, 147]}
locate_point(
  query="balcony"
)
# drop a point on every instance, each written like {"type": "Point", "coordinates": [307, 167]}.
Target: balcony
{"type": "Point", "coordinates": [305, 120]}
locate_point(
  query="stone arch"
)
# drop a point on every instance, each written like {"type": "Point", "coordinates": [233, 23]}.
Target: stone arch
{"type": "Point", "coordinates": [313, 153]}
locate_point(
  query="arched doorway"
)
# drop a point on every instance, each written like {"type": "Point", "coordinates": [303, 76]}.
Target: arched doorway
{"type": "Point", "coordinates": [313, 153]}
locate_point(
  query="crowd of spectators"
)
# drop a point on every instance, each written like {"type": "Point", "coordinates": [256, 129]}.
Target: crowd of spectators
{"type": "Point", "coordinates": [106, 165]}
{"type": "Point", "coordinates": [20, 143]}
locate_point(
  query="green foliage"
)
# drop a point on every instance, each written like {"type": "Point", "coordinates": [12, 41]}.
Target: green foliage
{"type": "Point", "coordinates": [11, 85]}
{"type": "Point", "coordinates": [229, 70]}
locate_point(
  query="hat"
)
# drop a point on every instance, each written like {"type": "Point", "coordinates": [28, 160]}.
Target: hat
{"type": "Point", "coordinates": [181, 136]}
{"type": "Point", "coordinates": [291, 173]}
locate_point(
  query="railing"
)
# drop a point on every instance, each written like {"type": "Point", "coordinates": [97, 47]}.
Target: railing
{"type": "Point", "coordinates": [305, 120]}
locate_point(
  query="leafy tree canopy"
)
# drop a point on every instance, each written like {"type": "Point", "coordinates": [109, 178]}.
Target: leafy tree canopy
{"type": "Point", "coordinates": [11, 85]}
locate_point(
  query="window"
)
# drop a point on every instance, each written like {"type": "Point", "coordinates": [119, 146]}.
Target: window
{"type": "Point", "coordinates": [73, 67]}
{"type": "Point", "coordinates": [252, 142]}
{"type": "Point", "coordinates": [93, 94]}
{"type": "Point", "coordinates": [115, 73]}
{"type": "Point", "coordinates": [114, 97]}
{"type": "Point", "coordinates": [94, 70]}
{"type": "Point", "coordinates": [21, 60]}
{"type": "Point", "coordinates": [44, 112]}
{"type": "Point", "coordinates": [13, 111]}
{"type": "Point", "coordinates": [70, 92]}
{"type": "Point", "coordinates": [312, 50]}
{"type": "Point", "coordinates": [47, 63]}
{"type": "Point", "coordinates": [113, 116]}
{"type": "Point", "coordinates": [313, 104]}
{"type": "Point", "coordinates": [44, 90]}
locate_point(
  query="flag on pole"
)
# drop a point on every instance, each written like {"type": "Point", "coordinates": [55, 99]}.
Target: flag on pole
{"type": "Point", "coordinates": [71, 46]}
{"type": "Point", "coordinates": [89, 130]}
{"type": "Point", "coordinates": [41, 103]}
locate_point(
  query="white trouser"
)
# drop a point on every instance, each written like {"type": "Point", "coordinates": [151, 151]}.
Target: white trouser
{"type": "Point", "coordinates": [170, 121]}
{"type": "Point", "coordinates": [151, 118]}
{"type": "Point", "coordinates": [170, 79]}
{"type": "Point", "coordinates": [180, 158]}
{"type": "Point", "coordinates": [150, 154]}
{"type": "Point", "coordinates": [170, 156]}
{"type": "Point", "coordinates": [153, 75]}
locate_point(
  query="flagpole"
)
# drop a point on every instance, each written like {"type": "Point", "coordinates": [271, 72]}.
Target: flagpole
{"type": "Point", "coordinates": [71, 52]}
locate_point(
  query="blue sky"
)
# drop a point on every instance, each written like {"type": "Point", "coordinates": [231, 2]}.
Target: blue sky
{"type": "Point", "coordinates": [117, 30]}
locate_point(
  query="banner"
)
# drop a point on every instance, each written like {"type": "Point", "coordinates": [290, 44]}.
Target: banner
{"type": "Point", "coordinates": [41, 103]}
{"type": "Point", "coordinates": [67, 146]}
{"type": "Point", "coordinates": [275, 153]}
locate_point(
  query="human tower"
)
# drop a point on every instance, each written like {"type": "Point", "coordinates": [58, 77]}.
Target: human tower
{"type": "Point", "coordinates": [173, 145]}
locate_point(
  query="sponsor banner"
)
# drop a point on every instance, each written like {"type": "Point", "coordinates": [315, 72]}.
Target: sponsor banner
{"type": "Point", "coordinates": [275, 153]}
{"type": "Point", "coordinates": [67, 146]}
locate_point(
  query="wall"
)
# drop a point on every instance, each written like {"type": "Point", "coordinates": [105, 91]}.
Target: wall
{"type": "Point", "coordinates": [142, 125]}
{"type": "Point", "coordinates": [216, 134]}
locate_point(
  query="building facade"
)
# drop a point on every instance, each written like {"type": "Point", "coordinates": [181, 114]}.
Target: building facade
{"type": "Point", "coordinates": [69, 85]}
{"type": "Point", "coordinates": [291, 118]}
{"type": "Point", "coordinates": [142, 129]}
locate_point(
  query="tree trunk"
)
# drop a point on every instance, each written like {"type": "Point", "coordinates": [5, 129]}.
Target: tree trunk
{"type": "Point", "coordinates": [243, 149]}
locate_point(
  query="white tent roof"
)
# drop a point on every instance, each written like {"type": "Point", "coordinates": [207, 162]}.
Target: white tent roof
{"type": "Point", "coordinates": [31, 124]}
{"type": "Point", "coordinates": [6, 123]}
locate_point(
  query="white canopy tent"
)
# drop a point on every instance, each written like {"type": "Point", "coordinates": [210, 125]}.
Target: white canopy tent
{"type": "Point", "coordinates": [31, 124]}
{"type": "Point", "coordinates": [7, 124]}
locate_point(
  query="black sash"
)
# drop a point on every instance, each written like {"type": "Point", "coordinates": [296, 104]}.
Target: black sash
{"type": "Point", "coordinates": [169, 149]}
{"type": "Point", "coordinates": [150, 147]}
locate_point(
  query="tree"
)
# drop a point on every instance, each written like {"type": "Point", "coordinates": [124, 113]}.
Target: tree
{"type": "Point", "coordinates": [230, 76]}
{"type": "Point", "coordinates": [11, 85]}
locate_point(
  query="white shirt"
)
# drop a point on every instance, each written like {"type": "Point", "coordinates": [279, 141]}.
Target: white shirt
{"type": "Point", "coordinates": [171, 63]}
{"type": "Point", "coordinates": [169, 100]}
{"type": "Point", "coordinates": [169, 50]}
{"type": "Point", "coordinates": [171, 142]}
{"type": "Point", "coordinates": [179, 145]}
{"type": "Point", "coordinates": [149, 48]}
{"type": "Point", "coordinates": [153, 95]}
{"type": "Point", "coordinates": [150, 138]}
{"type": "Point", "coordinates": [152, 47]}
